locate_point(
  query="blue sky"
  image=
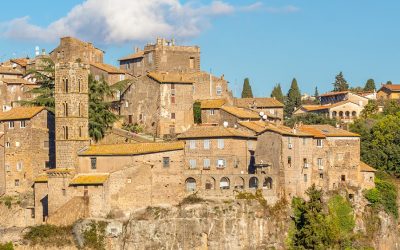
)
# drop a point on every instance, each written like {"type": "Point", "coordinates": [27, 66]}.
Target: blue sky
{"type": "Point", "coordinates": [268, 41]}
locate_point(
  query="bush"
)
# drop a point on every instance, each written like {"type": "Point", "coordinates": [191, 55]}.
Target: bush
{"type": "Point", "coordinates": [258, 195]}
{"type": "Point", "coordinates": [49, 235]}
{"type": "Point", "coordinates": [191, 199]}
{"type": "Point", "coordinates": [7, 200]}
{"type": "Point", "coordinates": [384, 195]}
{"type": "Point", "coordinates": [94, 235]}
{"type": "Point", "coordinates": [7, 246]}
{"type": "Point", "coordinates": [134, 128]}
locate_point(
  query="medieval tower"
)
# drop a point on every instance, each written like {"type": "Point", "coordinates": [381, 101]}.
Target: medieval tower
{"type": "Point", "coordinates": [71, 110]}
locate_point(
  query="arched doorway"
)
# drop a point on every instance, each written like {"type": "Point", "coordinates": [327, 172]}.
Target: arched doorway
{"type": "Point", "coordinates": [239, 183]}
{"type": "Point", "coordinates": [224, 183]}
{"type": "Point", "coordinates": [267, 183]}
{"type": "Point", "coordinates": [210, 183]}
{"type": "Point", "coordinates": [190, 184]}
{"type": "Point", "coordinates": [253, 182]}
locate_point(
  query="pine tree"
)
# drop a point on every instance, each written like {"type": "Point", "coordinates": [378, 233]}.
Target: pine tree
{"type": "Point", "coordinates": [247, 92]}
{"type": "Point", "coordinates": [293, 99]}
{"type": "Point", "coordinates": [369, 85]}
{"type": "Point", "coordinates": [340, 83]}
{"type": "Point", "coordinates": [277, 93]}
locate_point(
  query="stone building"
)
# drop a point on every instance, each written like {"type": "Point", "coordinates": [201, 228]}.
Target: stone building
{"type": "Point", "coordinates": [110, 73]}
{"type": "Point", "coordinates": [75, 50]}
{"type": "Point", "coordinates": [27, 147]}
{"type": "Point", "coordinates": [272, 108]}
{"type": "Point", "coordinates": [210, 110]}
{"type": "Point", "coordinates": [162, 56]}
{"type": "Point", "coordinates": [14, 90]}
{"type": "Point", "coordinates": [9, 72]}
{"type": "Point", "coordinates": [388, 91]}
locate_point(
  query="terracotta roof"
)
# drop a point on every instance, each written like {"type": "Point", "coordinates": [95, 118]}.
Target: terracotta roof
{"type": "Point", "coordinates": [17, 81]}
{"type": "Point", "coordinates": [133, 148]}
{"type": "Point", "coordinates": [212, 103]}
{"type": "Point", "coordinates": [366, 168]}
{"type": "Point", "coordinates": [9, 71]}
{"type": "Point", "coordinates": [20, 113]}
{"type": "Point", "coordinates": [41, 178]}
{"type": "Point", "coordinates": [60, 170]}
{"type": "Point", "coordinates": [310, 108]}
{"type": "Point", "coordinates": [334, 93]}
{"type": "Point", "coordinates": [214, 132]}
{"type": "Point", "coordinates": [283, 130]}
{"type": "Point", "coordinates": [391, 87]}
{"type": "Point", "coordinates": [173, 77]}
{"type": "Point", "coordinates": [20, 61]}
{"type": "Point", "coordinates": [241, 112]}
{"type": "Point", "coordinates": [89, 179]}
{"type": "Point", "coordinates": [325, 130]}
{"type": "Point", "coordinates": [139, 54]}
{"type": "Point", "coordinates": [107, 68]}
{"type": "Point", "coordinates": [256, 126]}
{"type": "Point", "coordinates": [258, 102]}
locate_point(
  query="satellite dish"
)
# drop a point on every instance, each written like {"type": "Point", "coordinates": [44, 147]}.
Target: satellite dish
{"type": "Point", "coordinates": [261, 114]}
{"type": "Point", "coordinates": [264, 117]}
{"type": "Point", "coordinates": [235, 126]}
{"type": "Point", "coordinates": [226, 124]}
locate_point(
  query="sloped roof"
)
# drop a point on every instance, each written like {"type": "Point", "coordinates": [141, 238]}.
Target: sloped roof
{"type": "Point", "coordinates": [324, 130]}
{"type": "Point", "coordinates": [107, 68]}
{"type": "Point", "coordinates": [89, 179]}
{"type": "Point", "coordinates": [139, 54]}
{"type": "Point", "coordinates": [171, 77]}
{"type": "Point", "coordinates": [241, 112]}
{"type": "Point", "coordinates": [20, 113]}
{"type": "Point", "coordinates": [332, 93]}
{"type": "Point", "coordinates": [212, 103]}
{"type": "Point", "coordinates": [258, 102]}
{"type": "Point", "coordinates": [364, 167]}
{"type": "Point", "coordinates": [41, 178]}
{"type": "Point", "coordinates": [214, 132]}
{"type": "Point", "coordinates": [17, 81]}
{"type": "Point", "coordinates": [284, 130]}
{"type": "Point", "coordinates": [20, 61]}
{"type": "Point", "coordinates": [391, 87]}
{"type": "Point", "coordinates": [256, 126]}
{"type": "Point", "coordinates": [310, 108]}
{"type": "Point", "coordinates": [9, 71]}
{"type": "Point", "coordinates": [132, 149]}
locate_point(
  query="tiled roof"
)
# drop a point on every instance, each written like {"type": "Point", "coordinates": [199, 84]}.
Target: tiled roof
{"type": "Point", "coordinates": [107, 68]}
{"type": "Point", "coordinates": [89, 179]}
{"type": "Point", "coordinates": [17, 81]}
{"type": "Point", "coordinates": [20, 113]}
{"type": "Point", "coordinates": [258, 102]}
{"type": "Point", "coordinates": [214, 132]}
{"type": "Point", "coordinates": [9, 71]}
{"type": "Point", "coordinates": [332, 93]}
{"type": "Point", "coordinates": [212, 103]}
{"type": "Point", "coordinates": [325, 130]}
{"type": "Point", "coordinates": [391, 87]}
{"type": "Point", "coordinates": [241, 112]}
{"type": "Point", "coordinates": [139, 54]}
{"type": "Point", "coordinates": [173, 77]}
{"type": "Point", "coordinates": [20, 61]}
{"type": "Point", "coordinates": [41, 178]}
{"type": "Point", "coordinates": [310, 108]}
{"type": "Point", "coordinates": [256, 126]}
{"type": "Point", "coordinates": [133, 148]}
{"type": "Point", "coordinates": [60, 171]}
{"type": "Point", "coordinates": [283, 130]}
{"type": "Point", "coordinates": [366, 168]}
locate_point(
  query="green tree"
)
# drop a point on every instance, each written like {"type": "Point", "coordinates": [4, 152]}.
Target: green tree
{"type": "Point", "coordinates": [369, 85]}
{"type": "Point", "coordinates": [293, 99]}
{"type": "Point", "coordinates": [316, 95]}
{"type": "Point", "coordinates": [197, 112]}
{"type": "Point", "coordinates": [391, 107]}
{"type": "Point", "coordinates": [389, 82]}
{"type": "Point", "coordinates": [340, 83]}
{"type": "Point", "coordinates": [246, 91]}
{"type": "Point", "coordinates": [370, 109]}
{"type": "Point", "coordinates": [277, 93]}
{"type": "Point", "coordinates": [310, 118]}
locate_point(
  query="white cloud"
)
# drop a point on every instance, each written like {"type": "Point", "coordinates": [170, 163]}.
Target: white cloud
{"type": "Point", "coordinates": [121, 21]}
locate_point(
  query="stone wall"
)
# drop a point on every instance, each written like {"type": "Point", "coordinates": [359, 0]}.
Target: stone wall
{"type": "Point", "coordinates": [74, 50]}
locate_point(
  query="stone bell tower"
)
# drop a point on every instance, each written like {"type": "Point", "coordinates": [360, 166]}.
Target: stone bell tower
{"type": "Point", "coordinates": [71, 111]}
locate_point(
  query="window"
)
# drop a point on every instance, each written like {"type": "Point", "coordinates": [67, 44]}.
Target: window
{"type": "Point", "coordinates": [192, 163]}
{"type": "Point", "coordinates": [343, 177]}
{"type": "Point", "coordinates": [290, 145]}
{"type": "Point", "coordinates": [172, 99]}
{"type": "Point", "coordinates": [172, 93]}
{"type": "Point", "coordinates": [319, 142]}
{"type": "Point", "coordinates": [121, 77]}
{"type": "Point", "coordinates": [220, 163]}
{"type": "Point", "coordinates": [22, 124]}
{"type": "Point", "coordinates": [207, 144]}
{"type": "Point", "coordinates": [321, 176]}
{"type": "Point", "coordinates": [8, 144]}
{"type": "Point", "coordinates": [289, 160]}
{"type": "Point", "coordinates": [93, 163]}
{"type": "Point", "coordinates": [206, 163]}
{"type": "Point", "coordinates": [165, 161]}
{"type": "Point", "coordinates": [97, 77]}
{"type": "Point", "coordinates": [219, 90]}
{"type": "Point", "coordinates": [305, 177]}
{"type": "Point", "coordinates": [340, 156]}
{"type": "Point", "coordinates": [305, 163]}
{"type": "Point", "coordinates": [64, 192]}
{"type": "Point", "coordinates": [65, 133]}
{"type": "Point", "coordinates": [212, 112]}
{"type": "Point", "coordinates": [19, 166]}
{"type": "Point", "coordinates": [17, 144]}
{"type": "Point", "coordinates": [8, 169]}
{"type": "Point", "coordinates": [221, 143]}
{"type": "Point", "coordinates": [173, 116]}
{"type": "Point", "coordinates": [192, 144]}
{"type": "Point", "coordinates": [129, 180]}
{"type": "Point", "coordinates": [66, 85]}
{"type": "Point", "coordinates": [11, 124]}
{"type": "Point", "coordinates": [46, 164]}
{"type": "Point", "coordinates": [190, 184]}
{"type": "Point", "coordinates": [65, 105]}
{"type": "Point", "coordinates": [16, 182]}
{"type": "Point", "coordinates": [126, 104]}
{"type": "Point", "coordinates": [46, 144]}
{"type": "Point", "coordinates": [191, 62]}
{"type": "Point", "coordinates": [320, 164]}
{"type": "Point", "coordinates": [304, 141]}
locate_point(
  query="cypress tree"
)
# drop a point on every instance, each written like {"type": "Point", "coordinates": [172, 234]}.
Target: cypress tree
{"type": "Point", "coordinates": [247, 92]}
{"type": "Point", "coordinates": [340, 83]}
{"type": "Point", "coordinates": [316, 94]}
{"type": "Point", "coordinates": [369, 85]}
{"type": "Point", "coordinates": [277, 93]}
{"type": "Point", "coordinates": [293, 99]}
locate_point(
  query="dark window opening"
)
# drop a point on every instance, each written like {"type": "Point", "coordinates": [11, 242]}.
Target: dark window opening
{"type": "Point", "coordinates": [93, 163]}
{"type": "Point", "coordinates": [166, 162]}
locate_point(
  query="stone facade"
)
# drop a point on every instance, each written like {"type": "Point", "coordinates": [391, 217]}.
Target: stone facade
{"type": "Point", "coordinates": [71, 111]}
{"type": "Point", "coordinates": [389, 91]}
{"type": "Point", "coordinates": [110, 74]}
{"type": "Point", "coordinates": [27, 148]}
{"type": "Point", "coordinates": [74, 50]}
{"type": "Point", "coordinates": [270, 108]}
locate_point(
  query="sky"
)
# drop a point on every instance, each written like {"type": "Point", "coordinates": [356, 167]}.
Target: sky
{"type": "Point", "coordinates": [268, 41]}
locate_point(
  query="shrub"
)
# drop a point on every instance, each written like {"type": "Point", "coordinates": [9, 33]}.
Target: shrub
{"type": "Point", "coordinates": [134, 128]}
{"type": "Point", "coordinates": [384, 195]}
{"type": "Point", "coordinates": [191, 199]}
{"type": "Point", "coordinates": [49, 235]}
{"type": "Point", "coordinates": [94, 235]}
{"type": "Point", "coordinates": [7, 246]}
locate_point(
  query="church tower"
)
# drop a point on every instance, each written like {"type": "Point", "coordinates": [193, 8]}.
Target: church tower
{"type": "Point", "coordinates": [71, 111]}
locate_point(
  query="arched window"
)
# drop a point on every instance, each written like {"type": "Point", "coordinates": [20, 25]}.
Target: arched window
{"type": "Point", "coordinates": [79, 109]}
{"type": "Point", "coordinates": [340, 114]}
{"type": "Point", "coordinates": [65, 105]}
{"type": "Point", "coordinates": [239, 183]}
{"type": "Point", "coordinates": [354, 113]}
{"type": "Point", "coordinates": [253, 182]}
{"type": "Point", "coordinates": [66, 85]}
{"type": "Point", "coordinates": [347, 114]}
{"type": "Point", "coordinates": [224, 183]}
{"type": "Point", "coordinates": [267, 183]}
{"type": "Point", "coordinates": [334, 114]}
{"type": "Point", "coordinates": [80, 131]}
{"type": "Point", "coordinates": [210, 183]}
{"type": "Point", "coordinates": [65, 132]}
{"type": "Point", "coordinates": [190, 184]}
{"type": "Point", "coordinates": [79, 85]}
